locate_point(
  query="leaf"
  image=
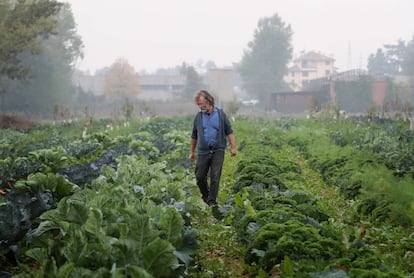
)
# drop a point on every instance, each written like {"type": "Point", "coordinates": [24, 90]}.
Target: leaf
{"type": "Point", "coordinates": [65, 271]}
{"type": "Point", "coordinates": [158, 258]}
{"type": "Point", "coordinates": [49, 267]}
{"type": "Point", "coordinates": [136, 271]}
{"type": "Point", "coordinates": [46, 226]}
{"type": "Point", "coordinates": [249, 208]}
{"type": "Point", "coordinates": [143, 232]}
{"type": "Point", "coordinates": [38, 254]}
{"type": "Point", "coordinates": [287, 267]}
{"type": "Point", "coordinates": [183, 257]}
{"type": "Point", "coordinates": [189, 245]}
{"type": "Point", "coordinates": [238, 200]}
{"type": "Point", "coordinates": [76, 212]}
{"type": "Point", "coordinates": [40, 182]}
{"type": "Point", "coordinates": [93, 224]}
{"type": "Point", "coordinates": [259, 253]}
{"type": "Point", "coordinates": [130, 271]}
{"type": "Point", "coordinates": [64, 187]}
{"type": "Point", "coordinates": [171, 223]}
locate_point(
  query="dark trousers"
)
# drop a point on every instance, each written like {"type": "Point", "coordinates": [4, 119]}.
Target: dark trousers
{"type": "Point", "coordinates": [211, 163]}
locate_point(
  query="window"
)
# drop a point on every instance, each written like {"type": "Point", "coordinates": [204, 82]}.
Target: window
{"type": "Point", "coordinates": [305, 74]}
{"type": "Point", "coordinates": [304, 63]}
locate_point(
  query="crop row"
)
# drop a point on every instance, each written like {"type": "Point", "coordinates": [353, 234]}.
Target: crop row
{"type": "Point", "coordinates": [101, 205]}
{"type": "Point", "coordinates": [286, 231]}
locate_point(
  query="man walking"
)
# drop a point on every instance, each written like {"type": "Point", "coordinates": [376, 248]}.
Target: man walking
{"type": "Point", "coordinates": [211, 129]}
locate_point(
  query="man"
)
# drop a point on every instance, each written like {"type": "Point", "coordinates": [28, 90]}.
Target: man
{"type": "Point", "coordinates": [211, 128]}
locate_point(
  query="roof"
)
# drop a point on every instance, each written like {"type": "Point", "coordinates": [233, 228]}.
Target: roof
{"type": "Point", "coordinates": [314, 56]}
{"type": "Point", "coordinates": [294, 68]}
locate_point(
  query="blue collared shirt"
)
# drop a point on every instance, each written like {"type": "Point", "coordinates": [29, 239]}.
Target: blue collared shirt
{"type": "Point", "coordinates": [211, 125]}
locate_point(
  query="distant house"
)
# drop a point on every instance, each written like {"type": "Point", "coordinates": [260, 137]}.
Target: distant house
{"type": "Point", "coordinates": [161, 87]}
{"type": "Point", "coordinates": [308, 66]}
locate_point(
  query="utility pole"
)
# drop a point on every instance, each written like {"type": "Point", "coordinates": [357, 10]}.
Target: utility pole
{"type": "Point", "coordinates": [349, 65]}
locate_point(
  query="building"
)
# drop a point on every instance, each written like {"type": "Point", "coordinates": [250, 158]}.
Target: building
{"type": "Point", "coordinates": [308, 66]}
{"type": "Point", "coordinates": [165, 87]}
{"type": "Point", "coordinates": [161, 87]}
{"type": "Point", "coordinates": [220, 83]}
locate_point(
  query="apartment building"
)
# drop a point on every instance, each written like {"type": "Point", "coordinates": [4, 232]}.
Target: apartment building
{"type": "Point", "coordinates": [308, 66]}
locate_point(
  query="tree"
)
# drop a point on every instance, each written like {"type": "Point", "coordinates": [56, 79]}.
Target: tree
{"type": "Point", "coordinates": [378, 63]}
{"type": "Point", "coordinates": [395, 56]}
{"type": "Point", "coordinates": [194, 81]}
{"type": "Point", "coordinates": [22, 25]}
{"type": "Point", "coordinates": [121, 81]}
{"type": "Point", "coordinates": [50, 84]}
{"type": "Point", "coordinates": [264, 63]}
{"type": "Point", "coordinates": [408, 62]}
{"type": "Point", "coordinates": [393, 60]}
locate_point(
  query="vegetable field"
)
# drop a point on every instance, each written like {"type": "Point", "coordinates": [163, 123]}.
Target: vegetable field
{"type": "Point", "coordinates": [303, 198]}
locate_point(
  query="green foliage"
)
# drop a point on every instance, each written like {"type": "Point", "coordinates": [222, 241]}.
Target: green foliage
{"type": "Point", "coordinates": [393, 145]}
{"type": "Point", "coordinates": [408, 60]}
{"type": "Point", "coordinates": [21, 25]}
{"type": "Point", "coordinates": [260, 170]}
{"type": "Point", "coordinates": [346, 135]}
{"type": "Point", "coordinates": [287, 123]}
{"type": "Point", "coordinates": [393, 59]}
{"type": "Point", "coordinates": [264, 63]}
{"type": "Point", "coordinates": [115, 223]}
{"type": "Point", "coordinates": [52, 159]}
{"type": "Point", "coordinates": [292, 238]}
{"type": "Point", "coordinates": [287, 267]}
{"type": "Point", "coordinates": [23, 204]}
{"type": "Point", "coordinates": [337, 153]}
{"type": "Point", "coordinates": [193, 81]}
{"type": "Point", "coordinates": [378, 63]}
{"type": "Point", "coordinates": [133, 202]}
{"type": "Point", "coordinates": [39, 182]}
{"type": "Point", "coordinates": [51, 83]}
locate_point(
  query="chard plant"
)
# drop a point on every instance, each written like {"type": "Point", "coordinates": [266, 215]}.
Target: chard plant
{"type": "Point", "coordinates": [129, 220]}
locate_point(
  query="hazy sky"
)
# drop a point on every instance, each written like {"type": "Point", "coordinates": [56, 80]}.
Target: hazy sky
{"type": "Point", "coordinates": [153, 34]}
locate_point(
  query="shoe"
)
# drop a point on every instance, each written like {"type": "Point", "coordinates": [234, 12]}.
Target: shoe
{"type": "Point", "coordinates": [211, 203]}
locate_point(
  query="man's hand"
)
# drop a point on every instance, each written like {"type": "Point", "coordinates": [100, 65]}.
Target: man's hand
{"type": "Point", "coordinates": [192, 156]}
{"type": "Point", "coordinates": [232, 140]}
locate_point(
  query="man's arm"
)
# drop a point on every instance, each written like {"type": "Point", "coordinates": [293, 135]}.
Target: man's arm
{"type": "Point", "coordinates": [232, 141]}
{"type": "Point", "coordinates": [193, 144]}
